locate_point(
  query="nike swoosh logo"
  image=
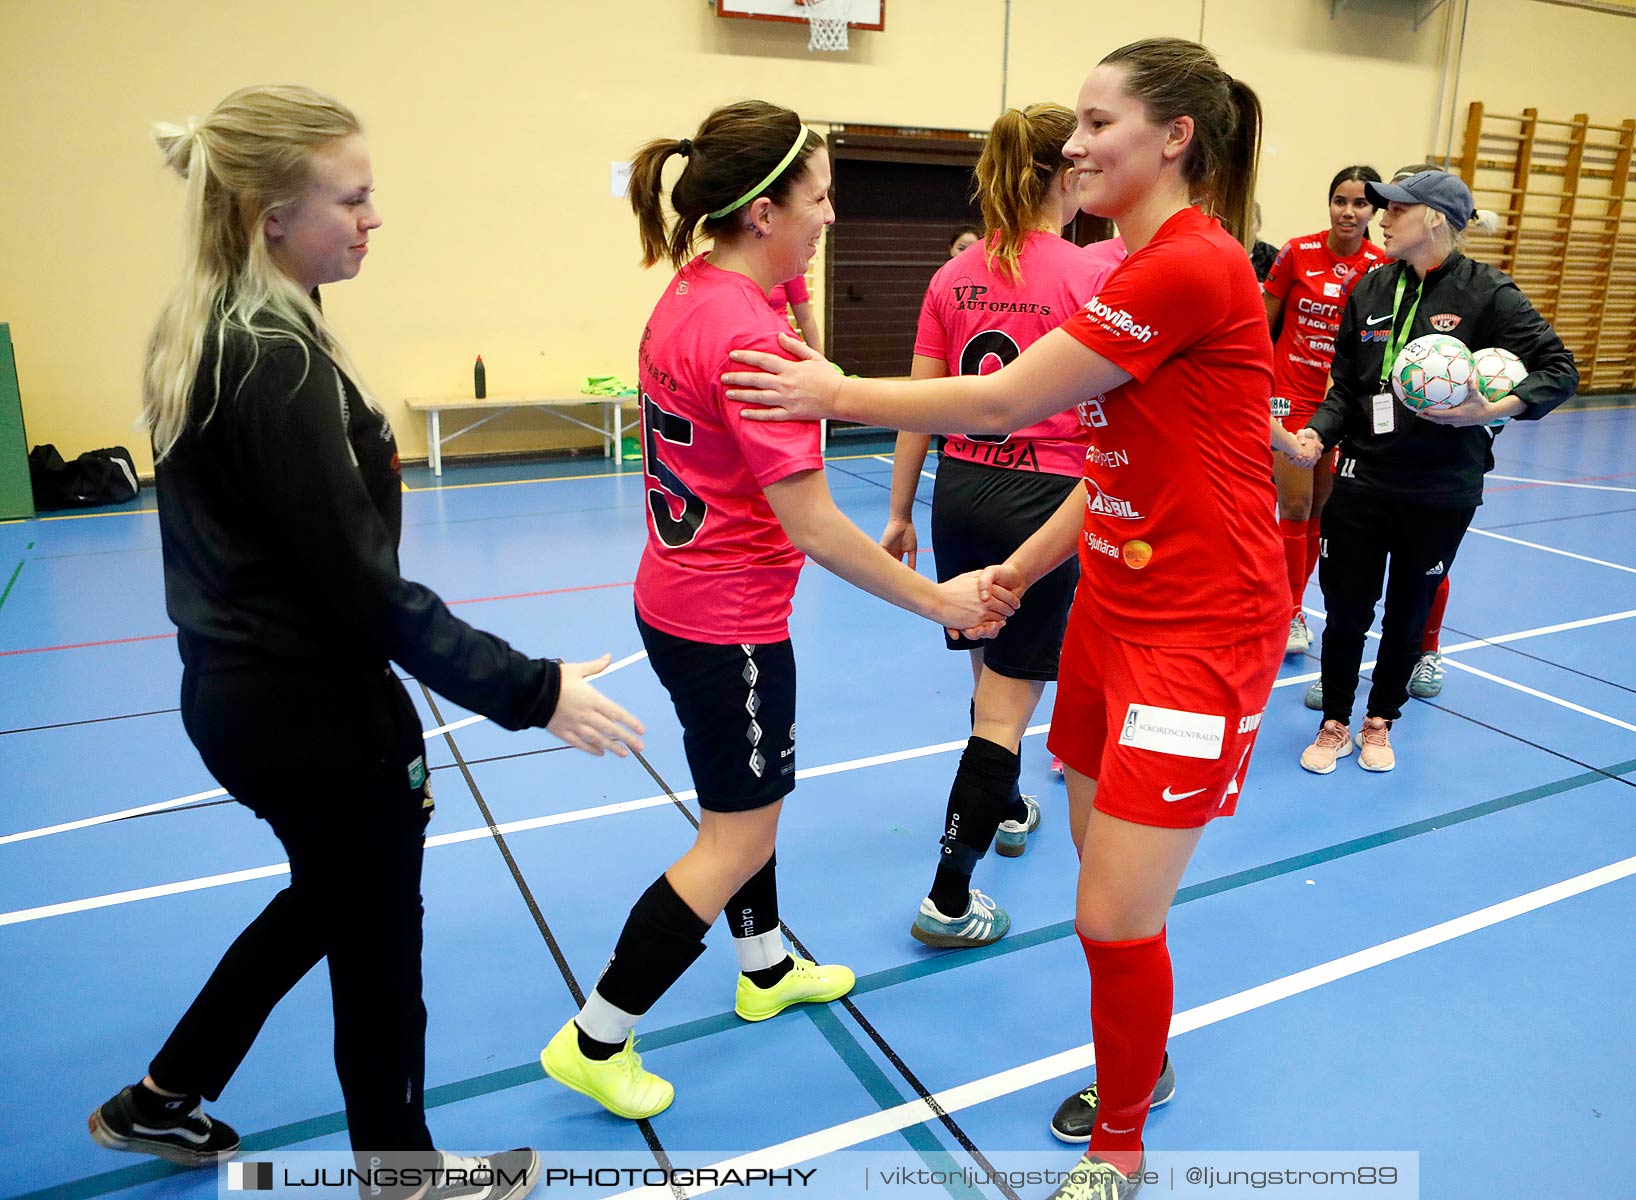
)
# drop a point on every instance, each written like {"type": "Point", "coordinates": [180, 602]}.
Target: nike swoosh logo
{"type": "Point", "coordinates": [1170, 797]}
{"type": "Point", "coordinates": [1377, 320]}
{"type": "Point", "coordinates": [1315, 272]}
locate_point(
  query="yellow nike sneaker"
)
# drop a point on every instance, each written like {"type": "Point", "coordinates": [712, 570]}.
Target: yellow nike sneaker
{"type": "Point", "coordinates": [619, 1084]}
{"type": "Point", "coordinates": [806, 983]}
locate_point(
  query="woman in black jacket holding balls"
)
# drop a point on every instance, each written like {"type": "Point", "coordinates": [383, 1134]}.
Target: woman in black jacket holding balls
{"type": "Point", "coordinates": [1408, 483]}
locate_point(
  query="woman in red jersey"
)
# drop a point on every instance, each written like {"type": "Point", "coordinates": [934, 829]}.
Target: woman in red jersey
{"type": "Point", "coordinates": [734, 510]}
{"type": "Point", "coordinates": [1179, 622]}
{"type": "Point", "coordinates": [1305, 292]}
{"type": "Point", "coordinates": [982, 309]}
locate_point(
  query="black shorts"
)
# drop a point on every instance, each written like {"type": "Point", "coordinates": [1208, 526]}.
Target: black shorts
{"type": "Point", "coordinates": [979, 516]}
{"type": "Point", "coordinates": [737, 708]}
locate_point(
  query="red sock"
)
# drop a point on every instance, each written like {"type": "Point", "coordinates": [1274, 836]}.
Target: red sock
{"type": "Point", "coordinates": [1132, 995]}
{"type": "Point", "coordinates": [1434, 619]}
{"type": "Point", "coordinates": [1312, 551]}
{"type": "Point", "coordinates": [1295, 558]}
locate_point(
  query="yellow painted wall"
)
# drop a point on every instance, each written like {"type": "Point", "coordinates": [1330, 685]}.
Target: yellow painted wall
{"type": "Point", "coordinates": [493, 125]}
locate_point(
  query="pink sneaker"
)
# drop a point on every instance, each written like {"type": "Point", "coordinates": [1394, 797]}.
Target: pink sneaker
{"type": "Point", "coordinates": [1375, 745]}
{"type": "Point", "coordinates": [1056, 766]}
{"type": "Point", "coordinates": [1334, 741]}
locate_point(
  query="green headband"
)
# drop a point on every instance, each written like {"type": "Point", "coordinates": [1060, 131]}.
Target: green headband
{"type": "Point", "coordinates": [800, 140]}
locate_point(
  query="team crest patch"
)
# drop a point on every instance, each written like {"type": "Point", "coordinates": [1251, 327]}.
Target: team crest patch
{"type": "Point", "coordinates": [1445, 322]}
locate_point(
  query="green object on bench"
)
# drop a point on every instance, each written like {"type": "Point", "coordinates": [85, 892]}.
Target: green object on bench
{"type": "Point", "coordinates": [16, 497]}
{"type": "Point", "coordinates": [606, 385]}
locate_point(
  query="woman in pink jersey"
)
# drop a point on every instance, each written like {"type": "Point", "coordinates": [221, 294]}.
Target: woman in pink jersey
{"type": "Point", "coordinates": [1179, 622]}
{"type": "Point", "coordinates": [982, 309]}
{"type": "Point", "coordinates": [734, 509]}
{"type": "Point", "coordinates": [1305, 292]}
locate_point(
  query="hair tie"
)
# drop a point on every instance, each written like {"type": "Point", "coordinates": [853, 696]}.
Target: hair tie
{"type": "Point", "coordinates": [685, 147]}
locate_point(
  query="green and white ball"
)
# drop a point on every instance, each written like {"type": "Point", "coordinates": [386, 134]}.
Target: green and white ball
{"type": "Point", "coordinates": [1434, 371]}
{"type": "Point", "coordinates": [1498, 372]}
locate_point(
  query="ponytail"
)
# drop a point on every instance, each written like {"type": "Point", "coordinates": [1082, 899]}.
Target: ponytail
{"type": "Point", "coordinates": [647, 199]}
{"type": "Point", "coordinates": [733, 159]}
{"type": "Point", "coordinates": [1176, 78]}
{"type": "Point", "coordinates": [1230, 190]}
{"type": "Point", "coordinates": [1020, 164]}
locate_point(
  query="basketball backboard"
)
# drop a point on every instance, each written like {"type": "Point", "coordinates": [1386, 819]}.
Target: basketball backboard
{"type": "Point", "coordinates": [865, 14]}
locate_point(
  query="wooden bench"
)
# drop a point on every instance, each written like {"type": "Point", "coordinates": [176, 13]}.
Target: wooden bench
{"type": "Point", "coordinates": [609, 426]}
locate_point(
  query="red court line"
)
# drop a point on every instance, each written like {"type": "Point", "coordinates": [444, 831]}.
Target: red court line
{"type": "Point", "coordinates": [154, 637]}
{"type": "Point", "coordinates": [151, 637]}
{"type": "Point", "coordinates": [589, 587]}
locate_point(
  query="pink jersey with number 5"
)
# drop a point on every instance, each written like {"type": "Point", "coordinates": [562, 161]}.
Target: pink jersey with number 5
{"type": "Point", "coordinates": [717, 567]}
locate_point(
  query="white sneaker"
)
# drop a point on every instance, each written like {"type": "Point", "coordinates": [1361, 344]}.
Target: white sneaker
{"type": "Point", "coordinates": [1300, 638]}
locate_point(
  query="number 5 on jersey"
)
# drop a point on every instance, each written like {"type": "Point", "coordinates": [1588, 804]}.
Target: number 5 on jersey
{"type": "Point", "coordinates": [673, 529]}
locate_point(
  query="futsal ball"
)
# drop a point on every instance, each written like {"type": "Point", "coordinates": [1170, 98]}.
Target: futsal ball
{"type": "Point", "coordinates": [1434, 371]}
{"type": "Point", "coordinates": [1498, 372]}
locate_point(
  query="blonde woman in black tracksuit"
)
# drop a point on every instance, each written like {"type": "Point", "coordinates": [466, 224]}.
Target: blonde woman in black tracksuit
{"type": "Point", "coordinates": [1408, 484]}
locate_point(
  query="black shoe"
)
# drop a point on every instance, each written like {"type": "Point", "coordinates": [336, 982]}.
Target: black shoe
{"type": "Point", "coordinates": [1076, 1116]}
{"type": "Point", "coordinates": [175, 1129]}
{"type": "Point", "coordinates": [1093, 1179]}
{"type": "Point", "coordinates": [509, 1175]}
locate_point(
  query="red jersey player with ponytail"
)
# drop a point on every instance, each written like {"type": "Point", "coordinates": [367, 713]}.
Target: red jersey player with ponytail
{"type": "Point", "coordinates": [982, 309]}
{"type": "Point", "coordinates": [1305, 292]}
{"type": "Point", "coordinates": [1179, 622]}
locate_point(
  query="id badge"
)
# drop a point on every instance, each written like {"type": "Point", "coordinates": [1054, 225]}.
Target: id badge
{"type": "Point", "coordinates": [1384, 406]}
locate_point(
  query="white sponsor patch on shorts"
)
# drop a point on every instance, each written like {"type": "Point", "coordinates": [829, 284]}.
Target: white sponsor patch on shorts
{"type": "Point", "coordinates": [1173, 731]}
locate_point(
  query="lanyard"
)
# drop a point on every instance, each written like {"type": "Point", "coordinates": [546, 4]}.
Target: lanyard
{"type": "Point", "coordinates": [1396, 341]}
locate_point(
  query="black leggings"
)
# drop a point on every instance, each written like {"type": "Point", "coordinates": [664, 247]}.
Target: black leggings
{"type": "Point", "coordinates": [1367, 540]}
{"type": "Point", "coordinates": [334, 762]}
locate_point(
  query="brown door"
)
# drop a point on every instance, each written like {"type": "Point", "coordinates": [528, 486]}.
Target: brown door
{"type": "Point", "coordinates": [899, 196]}
{"type": "Point", "coordinates": [898, 199]}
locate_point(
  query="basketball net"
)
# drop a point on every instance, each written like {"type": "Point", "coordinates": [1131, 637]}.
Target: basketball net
{"type": "Point", "coordinates": [827, 20]}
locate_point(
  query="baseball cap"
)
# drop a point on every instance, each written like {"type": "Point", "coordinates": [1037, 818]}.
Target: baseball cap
{"type": "Point", "coordinates": [1448, 194]}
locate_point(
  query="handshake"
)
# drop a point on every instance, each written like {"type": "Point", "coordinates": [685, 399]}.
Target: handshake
{"type": "Point", "coordinates": [1304, 449]}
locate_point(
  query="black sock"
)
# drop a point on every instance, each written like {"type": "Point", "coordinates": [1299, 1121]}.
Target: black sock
{"type": "Point", "coordinates": [771, 975]}
{"type": "Point", "coordinates": [154, 1107]}
{"type": "Point", "coordinates": [753, 911]}
{"type": "Point", "coordinates": [1015, 809]}
{"type": "Point", "coordinates": [661, 939]}
{"type": "Point", "coordinates": [977, 801]}
{"type": "Point", "coordinates": [593, 1049]}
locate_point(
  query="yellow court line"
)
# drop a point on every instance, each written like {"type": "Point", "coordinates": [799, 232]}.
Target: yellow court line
{"type": "Point", "coordinates": [130, 512]}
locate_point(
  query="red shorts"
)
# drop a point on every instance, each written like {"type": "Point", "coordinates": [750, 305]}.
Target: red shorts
{"type": "Point", "coordinates": [1183, 721]}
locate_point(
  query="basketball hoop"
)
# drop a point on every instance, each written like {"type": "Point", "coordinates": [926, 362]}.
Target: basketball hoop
{"type": "Point", "coordinates": [827, 20]}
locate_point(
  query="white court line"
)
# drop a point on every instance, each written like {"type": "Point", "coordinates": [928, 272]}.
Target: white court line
{"type": "Point", "coordinates": [1546, 696]}
{"type": "Point", "coordinates": [1286, 681]}
{"type": "Point", "coordinates": [1004, 1083]}
{"type": "Point", "coordinates": [1588, 487]}
{"type": "Point", "coordinates": [887, 458]}
{"type": "Point", "coordinates": [132, 896]}
{"type": "Point", "coordinates": [1600, 562]}
{"type": "Point", "coordinates": [1504, 637]}
{"type": "Point", "coordinates": [1498, 639]}
{"type": "Point", "coordinates": [163, 805]}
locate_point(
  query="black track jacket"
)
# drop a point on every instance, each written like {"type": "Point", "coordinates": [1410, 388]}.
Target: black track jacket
{"type": "Point", "coordinates": [1421, 460]}
{"type": "Point", "coordinates": [279, 518]}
